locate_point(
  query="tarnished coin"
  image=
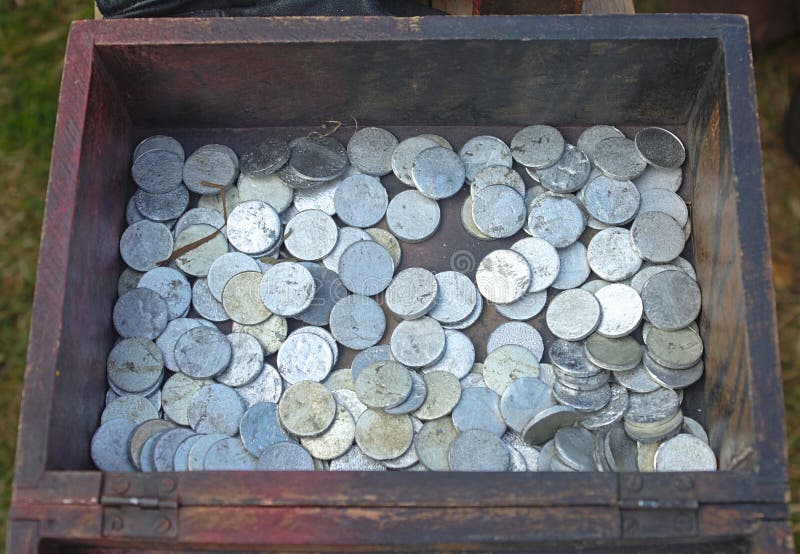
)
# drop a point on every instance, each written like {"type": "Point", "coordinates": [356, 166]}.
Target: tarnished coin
{"type": "Point", "coordinates": [671, 300]}
{"type": "Point", "coordinates": [471, 318]}
{"type": "Point", "coordinates": [662, 200]}
{"type": "Point", "coordinates": [433, 443]}
{"type": "Point", "coordinates": [266, 387]}
{"type": "Point", "coordinates": [672, 378]}
{"type": "Point", "coordinates": [516, 332]}
{"type": "Point", "coordinates": [652, 407]}
{"type": "Point", "coordinates": [270, 189]}
{"type": "Point", "coordinates": [483, 151]}
{"type": "Point", "coordinates": [478, 450]}
{"type": "Point", "coordinates": [140, 312]}
{"type": "Point", "coordinates": [582, 400]}
{"type": "Point", "coordinates": [589, 138]}
{"type": "Point", "coordinates": [304, 357]}
{"type": "Point", "coordinates": [547, 373]}
{"type": "Point", "coordinates": [287, 289]}
{"type": "Point", "coordinates": [656, 431]}
{"type": "Point", "coordinates": [355, 460]}
{"type": "Point", "coordinates": [444, 392]}
{"type": "Point", "coordinates": [388, 241]}
{"type": "Point", "coordinates": [172, 286]}
{"type": "Point", "coordinates": [317, 158]}
{"type": "Point", "coordinates": [569, 359]}
{"type": "Point", "coordinates": [247, 360]}
{"type": "Point", "coordinates": [557, 219]}
{"type": "Point", "coordinates": [199, 449]}
{"type": "Point", "coordinates": [349, 399]}
{"type": "Point", "coordinates": [285, 456]}
{"type": "Point", "coordinates": [128, 280]}
{"type": "Point", "coordinates": [522, 400]}
{"type": "Point", "coordinates": [357, 322]}
{"type": "Point", "coordinates": [503, 276]}
{"type": "Point", "coordinates": [574, 268]}
{"type": "Point", "coordinates": [409, 457]}
{"type": "Point", "coordinates": [636, 380]}
{"type": "Point", "coordinates": [405, 153]}
{"type": "Point", "coordinates": [529, 454]}
{"type": "Point", "coordinates": [197, 261]}
{"type": "Point", "coordinates": [660, 148]}
{"type": "Point", "coordinates": [456, 297]}
{"type": "Point", "coordinates": [200, 216]}
{"type": "Point", "coordinates": [383, 385]}
{"type": "Point", "coordinates": [295, 181]}
{"type": "Point", "coordinates": [328, 290]}
{"type": "Point", "coordinates": [473, 380]}
{"type": "Point", "coordinates": [657, 237]}
{"type": "Point", "coordinates": [438, 172]}
{"type": "Point", "coordinates": [130, 406]}
{"type": "Point", "coordinates": [497, 175]}
{"type": "Point", "coordinates": [419, 391]}
{"type": "Point", "coordinates": [366, 268]}
{"type": "Point", "coordinates": [611, 255]}
{"type": "Point", "coordinates": [542, 260]}
{"type": "Point", "coordinates": [479, 408]}
{"type": "Point", "coordinates": [659, 178]}
{"type": "Point", "coordinates": [159, 142]}
{"type": "Point", "coordinates": [383, 436]}
{"type": "Point", "coordinates": [135, 365]}
{"type": "Point", "coordinates": [419, 342]}
{"type": "Point", "coordinates": [109, 449]}
{"type": "Point", "coordinates": [574, 446]}
{"type": "Point", "coordinates": [260, 428]}
{"type": "Point", "coordinates": [468, 222]}
{"type": "Point", "coordinates": [679, 349]}
{"type": "Point", "coordinates": [685, 453]}
{"type": "Point", "coordinates": [573, 314]}
{"type": "Point", "coordinates": [211, 163]}
{"type": "Point", "coordinates": [336, 440]}
{"type": "Point", "coordinates": [694, 428]}
{"type": "Point", "coordinates": [568, 174]}
{"type": "Point", "coordinates": [346, 237]}
{"type": "Point", "coordinates": [307, 409]}
{"type": "Point", "coordinates": [612, 413]}
{"type": "Point", "coordinates": [225, 267]}
{"type": "Point", "coordinates": [205, 304]}
{"type": "Point", "coordinates": [214, 201]}
{"type": "Point", "coordinates": [527, 307]}
{"type": "Point", "coordinates": [265, 157]}
{"type": "Point", "coordinates": [310, 235]}
{"type": "Point", "coordinates": [647, 271]}
{"type": "Point", "coordinates": [216, 408]}
{"type": "Point", "coordinates": [270, 333]}
{"type": "Point", "coordinates": [609, 201]}
{"type": "Point", "coordinates": [618, 158]}
{"type": "Point", "coordinates": [370, 150]}
{"type": "Point", "coordinates": [166, 445]}
{"type": "Point", "coordinates": [242, 300]}
{"type": "Point", "coordinates": [202, 352]}
{"type": "Point", "coordinates": [162, 207]}
{"type": "Point", "coordinates": [620, 451]}
{"type": "Point", "coordinates": [141, 434]}
{"type": "Point", "coordinates": [360, 201]}
{"type": "Point", "coordinates": [176, 393]}
{"type": "Point", "coordinates": [379, 353]}
{"type": "Point", "coordinates": [537, 146]}
{"type": "Point", "coordinates": [458, 357]}
{"type": "Point", "coordinates": [622, 354]}
{"type": "Point", "coordinates": [412, 293]}
{"type": "Point", "coordinates": [498, 211]}
{"type": "Point", "coordinates": [319, 197]}
{"type": "Point", "coordinates": [157, 170]}
{"type": "Point", "coordinates": [412, 217]}
{"type": "Point", "coordinates": [507, 363]}
{"type": "Point", "coordinates": [546, 423]}
{"type": "Point", "coordinates": [686, 266]}
{"type": "Point", "coordinates": [621, 309]}
{"type": "Point", "coordinates": [228, 454]}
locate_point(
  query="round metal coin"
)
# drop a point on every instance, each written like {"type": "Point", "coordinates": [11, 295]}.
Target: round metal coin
{"type": "Point", "coordinates": [202, 352]}
{"type": "Point", "coordinates": [481, 152]}
{"type": "Point", "coordinates": [336, 440]}
{"type": "Point", "coordinates": [287, 289]}
{"type": "Point", "coordinates": [383, 436]}
{"type": "Point", "coordinates": [366, 268]}
{"type": "Point", "coordinates": [478, 450]}
{"type": "Point", "coordinates": [498, 211]}
{"type": "Point", "coordinates": [458, 357]}
{"type": "Point", "coordinates": [438, 172]}
{"type": "Point", "coordinates": [383, 385]}
{"type": "Point", "coordinates": [260, 428]}
{"type": "Point", "coordinates": [574, 267]}
{"type": "Point", "coordinates": [285, 456]}
{"type": "Point", "coordinates": [479, 408]}
{"type": "Point", "coordinates": [573, 314]}
{"type": "Point", "coordinates": [412, 293]}
{"type": "Point", "coordinates": [547, 422]}
{"type": "Point", "coordinates": [225, 267]}
{"type": "Point", "coordinates": [216, 408]}
{"type": "Point", "coordinates": [304, 357]}
{"type": "Point", "coordinates": [412, 217]}
{"type": "Point", "coordinates": [109, 448]}
{"type": "Point", "coordinates": [622, 354]}
{"type": "Point", "coordinates": [264, 158]}
{"type": "Point", "coordinates": [621, 309]}
{"type": "Point", "coordinates": [537, 146]}
{"type": "Point", "coordinates": [589, 138]}
{"type": "Point", "coordinates": [361, 200]}
{"type": "Point", "coordinates": [671, 300]}
{"type": "Point", "coordinates": [660, 148]}
{"type": "Point", "coordinates": [317, 158]}
{"type": "Point", "coordinates": [568, 174]}
{"type": "Point", "coordinates": [135, 365]}
{"type": "Point", "coordinates": [357, 322]}
{"type": "Point", "coordinates": [418, 343]}
{"type": "Point", "coordinates": [310, 235]}
{"type": "Point", "coordinates": [145, 244]}
{"type": "Point", "coordinates": [516, 332]}
{"type": "Point", "coordinates": [611, 255]}
{"type": "Point", "coordinates": [140, 312]}
{"type": "Point", "coordinates": [503, 276]}
{"type": "Point", "coordinates": [456, 297]}
{"type": "Point", "coordinates": [370, 150]}
{"type": "Point", "coordinates": [685, 453]}
{"type": "Point", "coordinates": [307, 409]}
{"type": "Point", "coordinates": [444, 392]}
{"type": "Point", "coordinates": [522, 400]}
{"type": "Point", "coordinates": [507, 363]}
{"type": "Point", "coordinates": [405, 153]}
{"type": "Point", "coordinates": [176, 393]}
{"type": "Point", "coordinates": [209, 244]}
{"type": "Point", "coordinates": [609, 201]}
{"type": "Point", "coordinates": [557, 219]}
{"type": "Point", "coordinates": [618, 158]}
{"type": "Point", "coordinates": [241, 298]}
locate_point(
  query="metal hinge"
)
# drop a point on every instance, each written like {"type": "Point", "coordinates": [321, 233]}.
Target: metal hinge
{"type": "Point", "coordinates": [658, 505]}
{"type": "Point", "coordinates": [140, 506]}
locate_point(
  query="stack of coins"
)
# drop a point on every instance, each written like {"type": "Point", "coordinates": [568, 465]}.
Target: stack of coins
{"type": "Point", "coordinates": [207, 376]}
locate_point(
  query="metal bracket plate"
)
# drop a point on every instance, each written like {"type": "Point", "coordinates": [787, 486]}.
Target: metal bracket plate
{"type": "Point", "coordinates": [658, 505]}
{"type": "Point", "coordinates": [140, 506]}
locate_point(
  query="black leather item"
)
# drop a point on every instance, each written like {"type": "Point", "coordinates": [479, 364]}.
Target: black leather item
{"type": "Point", "coordinates": [244, 8]}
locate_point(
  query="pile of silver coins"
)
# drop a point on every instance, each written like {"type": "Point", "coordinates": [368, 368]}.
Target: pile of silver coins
{"type": "Point", "coordinates": [303, 235]}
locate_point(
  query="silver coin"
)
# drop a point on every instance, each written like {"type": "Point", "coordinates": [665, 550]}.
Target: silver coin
{"type": "Point", "coordinates": [574, 446]}
{"type": "Point", "coordinates": [215, 201]}
{"type": "Point", "coordinates": [324, 335]}
{"type": "Point", "coordinates": [260, 428]}
{"type": "Point", "coordinates": [481, 152]}
{"type": "Point", "coordinates": [657, 237]}
{"type": "Point", "coordinates": [498, 211]}
{"type": "Point", "coordinates": [405, 153]}
{"type": "Point", "coordinates": [304, 357]}
{"type": "Point", "coordinates": [611, 255]}
{"type": "Point", "coordinates": [265, 157]}
{"type": "Point", "coordinates": [546, 423]}
{"type": "Point", "coordinates": [247, 360]}
{"type": "Point", "coordinates": [130, 406]}
{"type": "Point", "coordinates": [516, 332]}
{"type": "Point", "coordinates": [254, 227]}
{"type": "Point", "coordinates": [357, 322]}
{"type": "Point", "coordinates": [582, 400]}
{"type": "Point", "coordinates": [172, 286]}
{"type": "Point", "coordinates": [542, 259]}
{"type": "Point", "coordinates": [144, 244]}
{"type": "Point", "coordinates": [205, 304]}
{"type": "Point", "coordinates": [379, 353]}
{"type": "Point", "coordinates": [444, 392]}
{"type": "Point", "coordinates": [418, 343]}
{"type": "Point", "coordinates": [366, 268]}
{"type": "Point", "coordinates": [636, 380]}
{"type": "Point", "coordinates": [307, 409]}
{"type": "Point", "coordinates": [176, 393]}
{"type": "Point", "coordinates": [589, 138]}
{"type": "Point", "coordinates": [310, 235]}
{"type": "Point", "coordinates": [387, 240]}
{"type": "Point", "coordinates": [287, 289]}
{"type": "Point", "coordinates": [594, 285]}
{"type": "Point", "coordinates": [162, 207]}
{"type": "Point", "coordinates": [409, 457]}
{"type": "Point", "coordinates": [527, 307]}
{"type": "Point", "coordinates": [582, 383]}
{"type": "Point", "coordinates": [694, 428]}
{"type": "Point", "coordinates": [370, 150]}
{"type": "Point", "coordinates": [621, 354]}
{"type": "Point", "coordinates": [199, 449]}
{"type": "Point", "coordinates": [328, 290]}
{"type": "Point", "coordinates": [266, 387]}
{"type": "Point", "coordinates": [557, 219]}
{"type": "Point", "coordinates": [242, 300]}
{"type": "Point", "coordinates": [458, 357]}
{"type": "Point", "coordinates": [216, 409]}
{"type": "Point", "coordinates": [537, 146]}
{"type": "Point", "coordinates": [672, 378]}
{"type": "Point", "coordinates": [355, 460]}
{"type": "Point", "coordinates": [412, 293]}
{"type": "Point", "coordinates": [609, 201]}
{"type": "Point", "coordinates": [265, 188]}
{"type": "Point", "coordinates": [412, 217]}
{"type": "Point", "coordinates": [686, 266]}
{"type": "Point", "coordinates": [334, 441]}
{"type": "Point", "coordinates": [662, 200]}
{"type": "Point", "coordinates": [135, 365]}
{"type": "Point", "coordinates": [141, 434]}
{"type": "Point", "coordinates": [270, 333]}
{"type": "Point", "coordinates": [653, 406]}
{"type": "Point", "coordinates": [573, 314]}
{"type": "Point", "coordinates": [109, 448]}
{"type": "Point", "coordinates": [317, 158]}
{"type": "Point", "coordinates": [419, 391]}
{"type": "Point", "coordinates": [647, 271]}
{"type": "Point", "coordinates": [349, 399]}
{"type": "Point", "coordinates": [468, 222]}
{"type": "Point", "coordinates": [165, 446]}
{"type": "Point", "coordinates": [159, 142]}
{"type": "Point", "coordinates": [346, 237]}
{"type": "Point", "coordinates": [660, 178]}
{"type": "Point", "coordinates": [383, 385]}
{"type": "Point", "coordinates": [478, 450]}
{"type": "Point", "coordinates": [438, 139]}
{"type": "Point", "coordinates": [507, 363]}
{"type": "Point", "coordinates": [497, 175]}
{"type": "Point", "coordinates": [146, 460]}
{"type": "Point", "coordinates": [503, 276]}
{"type": "Point", "coordinates": [660, 148]}
{"type": "Point", "coordinates": [294, 180]}
{"type": "Point", "coordinates": [211, 165]}
{"type": "Point", "coordinates": [360, 201]}
{"type": "Point", "coordinates": [285, 456]}
{"type": "Point", "coordinates": [225, 267]}
{"type": "Point", "coordinates": [200, 216]}
{"type": "Point", "coordinates": [522, 400]}
{"type": "Point", "coordinates": [339, 379]}
{"type": "Point", "coordinates": [209, 245]}
{"type": "Point", "coordinates": [535, 190]}
{"type": "Point", "coordinates": [685, 453]}
{"type": "Point", "coordinates": [479, 408]}
{"type": "Point", "coordinates": [157, 170]}
{"type": "Point", "coordinates": [383, 436]}
{"type": "Point", "coordinates": [202, 352]}
{"type": "Point", "coordinates": [621, 453]}
{"type": "Point", "coordinates": [547, 373]}
{"type": "Point", "coordinates": [140, 312]}
{"type": "Point", "coordinates": [671, 300]}
{"type": "Point", "coordinates": [433, 443]}
{"type": "Point", "coordinates": [228, 454]}
{"type": "Point", "coordinates": [621, 308]}
{"type": "Point", "coordinates": [574, 267]}
{"type": "Point", "coordinates": [470, 319]}
{"type": "Point", "coordinates": [456, 297]}
{"type": "Point", "coordinates": [612, 413]}
{"type": "Point", "coordinates": [618, 158]}
{"type": "Point", "coordinates": [569, 359]}
{"type": "Point", "coordinates": [679, 349]}
{"type": "Point", "coordinates": [128, 280]}
{"type": "Point", "coordinates": [568, 174]}
{"type": "Point", "coordinates": [657, 431]}
{"type": "Point", "coordinates": [438, 172]}
{"type": "Point", "coordinates": [529, 453]}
